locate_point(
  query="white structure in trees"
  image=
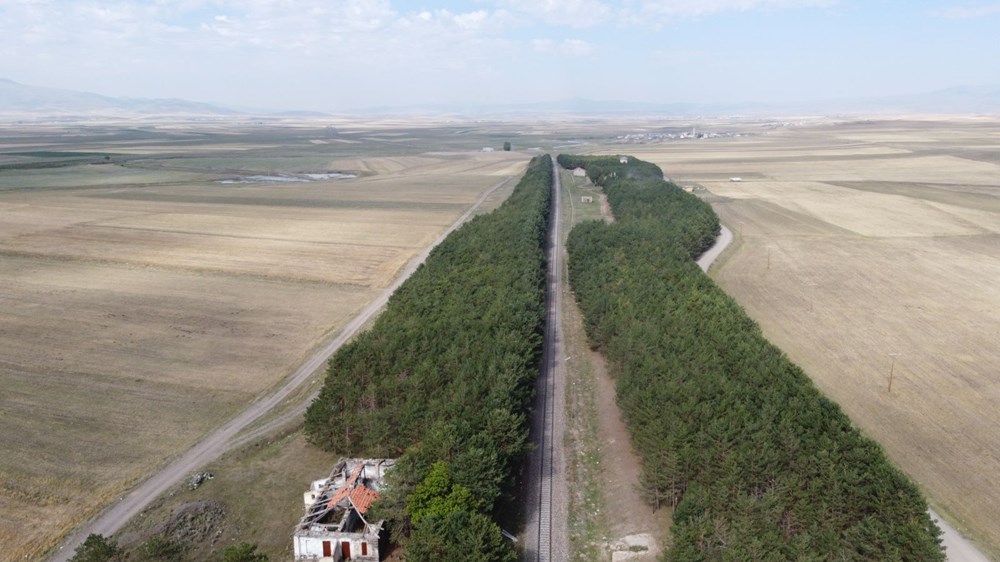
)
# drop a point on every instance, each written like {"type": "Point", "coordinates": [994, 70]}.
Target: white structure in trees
{"type": "Point", "coordinates": [335, 526]}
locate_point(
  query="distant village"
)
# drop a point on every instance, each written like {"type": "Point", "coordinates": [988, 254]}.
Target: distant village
{"type": "Point", "coordinates": [694, 133]}
{"type": "Point", "coordinates": [640, 138]}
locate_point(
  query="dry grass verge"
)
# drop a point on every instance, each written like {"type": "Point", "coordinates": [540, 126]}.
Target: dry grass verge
{"type": "Point", "coordinates": [607, 515]}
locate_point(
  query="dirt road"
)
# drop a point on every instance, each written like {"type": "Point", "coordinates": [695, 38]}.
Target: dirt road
{"type": "Point", "coordinates": [957, 547]}
{"type": "Point", "coordinates": [220, 440]}
{"type": "Point", "coordinates": [546, 533]}
{"type": "Point", "coordinates": [721, 243]}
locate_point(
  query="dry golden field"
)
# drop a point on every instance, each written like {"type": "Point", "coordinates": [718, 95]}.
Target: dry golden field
{"type": "Point", "coordinates": [871, 248]}
{"type": "Point", "coordinates": [144, 303]}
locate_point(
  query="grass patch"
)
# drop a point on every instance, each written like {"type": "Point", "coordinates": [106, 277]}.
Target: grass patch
{"type": "Point", "coordinates": [588, 528]}
{"type": "Point", "coordinates": [259, 490]}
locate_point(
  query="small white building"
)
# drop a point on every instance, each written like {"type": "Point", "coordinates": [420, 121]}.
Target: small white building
{"type": "Point", "coordinates": [623, 159]}
{"type": "Point", "coordinates": [736, 179]}
{"type": "Point", "coordinates": [586, 199]}
{"type": "Point", "coordinates": [487, 149]}
{"type": "Point", "coordinates": [334, 526]}
{"type": "Point", "coordinates": [579, 173]}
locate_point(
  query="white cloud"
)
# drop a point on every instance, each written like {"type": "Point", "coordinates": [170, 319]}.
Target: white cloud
{"type": "Point", "coordinates": [593, 13]}
{"type": "Point", "coordinates": [543, 45]}
{"type": "Point", "coordinates": [680, 57]}
{"type": "Point", "coordinates": [218, 50]}
{"type": "Point", "coordinates": [968, 12]}
{"type": "Point", "coordinates": [483, 21]}
{"type": "Point", "coordinates": [576, 47]}
{"type": "Point", "coordinates": [328, 54]}
{"type": "Point", "coordinates": [193, 26]}
{"type": "Point", "coordinates": [570, 13]}
{"type": "Point", "coordinates": [682, 8]}
{"type": "Point", "coordinates": [568, 47]}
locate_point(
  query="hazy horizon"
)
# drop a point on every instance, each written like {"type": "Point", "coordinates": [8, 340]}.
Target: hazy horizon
{"type": "Point", "coordinates": [343, 55]}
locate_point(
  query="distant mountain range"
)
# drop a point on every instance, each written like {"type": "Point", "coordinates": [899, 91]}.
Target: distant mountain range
{"type": "Point", "coordinates": [962, 100]}
{"type": "Point", "coordinates": [20, 99]}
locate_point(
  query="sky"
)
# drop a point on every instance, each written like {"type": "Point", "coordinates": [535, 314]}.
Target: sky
{"type": "Point", "coordinates": [339, 55]}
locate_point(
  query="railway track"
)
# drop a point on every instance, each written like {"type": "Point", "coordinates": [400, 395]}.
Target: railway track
{"type": "Point", "coordinates": [546, 532]}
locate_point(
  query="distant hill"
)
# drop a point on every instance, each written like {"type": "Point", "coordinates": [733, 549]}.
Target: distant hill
{"type": "Point", "coordinates": [16, 98]}
{"type": "Point", "coordinates": [20, 99]}
{"type": "Point", "coordinates": [978, 99]}
{"type": "Point", "coordinates": [964, 100]}
{"type": "Point", "coordinates": [572, 106]}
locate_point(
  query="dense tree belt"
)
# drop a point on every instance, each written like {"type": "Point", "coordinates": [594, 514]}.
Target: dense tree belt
{"type": "Point", "coordinates": [444, 379]}
{"type": "Point", "coordinates": [757, 464]}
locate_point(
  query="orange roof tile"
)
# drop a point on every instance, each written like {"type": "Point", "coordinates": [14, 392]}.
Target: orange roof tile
{"type": "Point", "coordinates": [362, 498]}
{"type": "Point", "coordinates": [341, 493]}
{"type": "Point", "coordinates": [354, 475]}
{"type": "Point", "coordinates": [337, 496]}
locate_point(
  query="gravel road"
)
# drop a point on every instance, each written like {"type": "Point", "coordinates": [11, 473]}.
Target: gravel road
{"type": "Point", "coordinates": [721, 243]}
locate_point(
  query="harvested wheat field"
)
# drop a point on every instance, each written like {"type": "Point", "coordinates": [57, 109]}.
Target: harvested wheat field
{"type": "Point", "coordinates": [868, 251]}
{"type": "Point", "coordinates": [145, 301]}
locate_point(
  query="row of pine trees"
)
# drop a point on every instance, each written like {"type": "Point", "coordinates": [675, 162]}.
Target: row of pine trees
{"type": "Point", "coordinates": [754, 461]}
{"type": "Point", "coordinates": [444, 379]}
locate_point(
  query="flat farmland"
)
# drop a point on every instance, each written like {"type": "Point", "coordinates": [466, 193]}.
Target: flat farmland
{"type": "Point", "coordinates": [868, 251]}
{"type": "Point", "coordinates": [144, 302]}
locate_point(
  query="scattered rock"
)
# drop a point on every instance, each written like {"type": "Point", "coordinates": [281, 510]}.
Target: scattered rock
{"type": "Point", "coordinates": [633, 547]}
{"type": "Point", "coordinates": [198, 479]}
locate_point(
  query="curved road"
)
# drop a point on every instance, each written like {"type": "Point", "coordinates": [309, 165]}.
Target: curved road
{"type": "Point", "coordinates": [546, 534]}
{"type": "Point", "coordinates": [721, 243]}
{"type": "Point", "coordinates": [957, 547]}
{"type": "Point", "coordinates": [220, 440]}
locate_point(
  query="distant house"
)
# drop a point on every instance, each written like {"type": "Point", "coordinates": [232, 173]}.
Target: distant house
{"type": "Point", "coordinates": [736, 179]}
{"type": "Point", "coordinates": [586, 199]}
{"type": "Point", "coordinates": [579, 173]}
{"type": "Point", "coordinates": [335, 526]}
{"type": "Point", "coordinates": [487, 149]}
{"type": "Point", "coordinates": [623, 159]}
{"type": "Point", "coordinates": [688, 189]}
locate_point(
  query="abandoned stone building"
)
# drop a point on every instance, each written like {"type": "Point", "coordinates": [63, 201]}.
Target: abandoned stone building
{"type": "Point", "coordinates": [336, 526]}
